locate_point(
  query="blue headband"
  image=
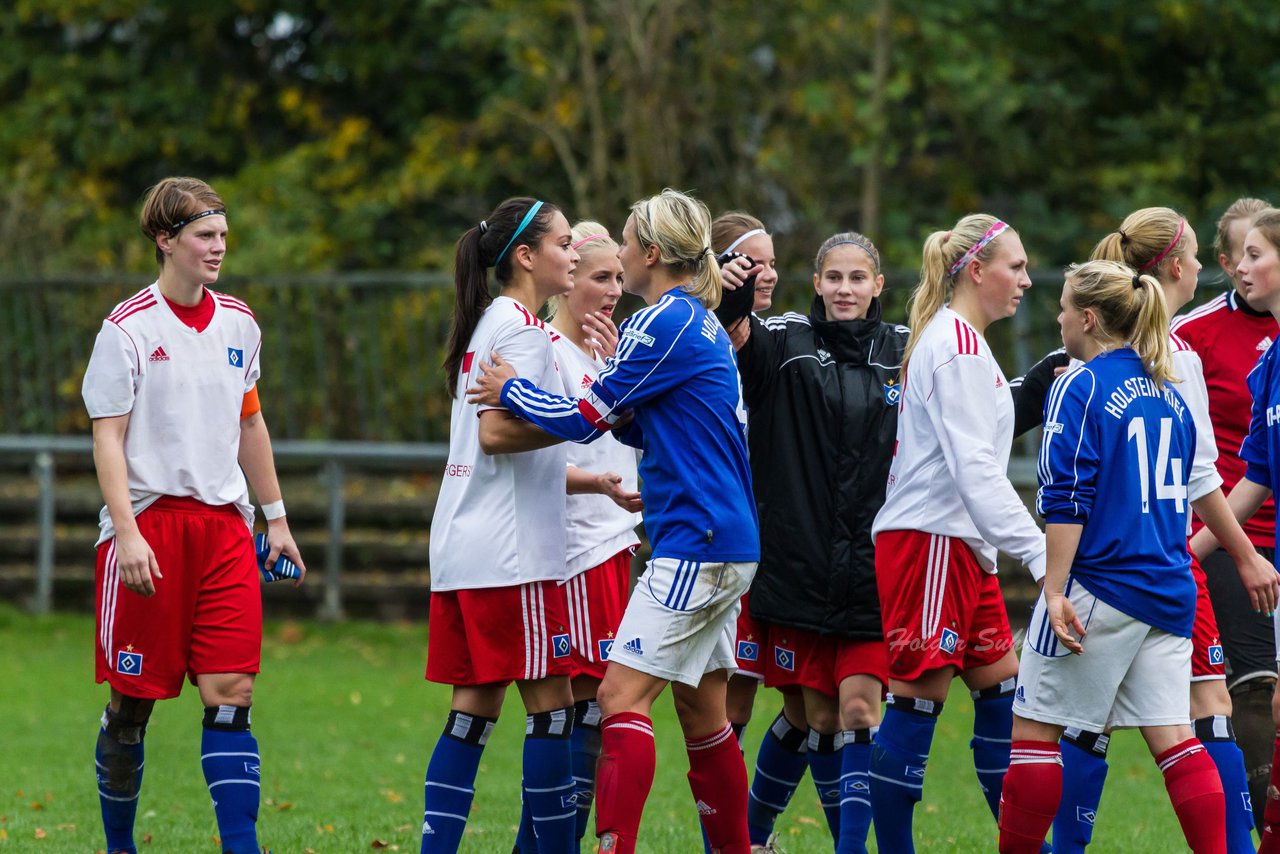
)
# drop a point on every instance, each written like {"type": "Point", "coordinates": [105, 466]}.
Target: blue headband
{"type": "Point", "coordinates": [528, 218]}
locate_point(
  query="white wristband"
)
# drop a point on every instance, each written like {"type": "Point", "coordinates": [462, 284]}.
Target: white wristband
{"type": "Point", "coordinates": [274, 510]}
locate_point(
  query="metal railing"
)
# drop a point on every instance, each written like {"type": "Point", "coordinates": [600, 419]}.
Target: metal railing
{"type": "Point", "coordinates": [334, 458]}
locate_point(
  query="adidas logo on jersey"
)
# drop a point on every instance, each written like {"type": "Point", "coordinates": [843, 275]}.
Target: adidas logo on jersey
{"type": "Point", "coordinates": [158, 356]}
{"type": "Point", "coordinates": [705, 809]}
{"type": "Point", "coordinates": [633, 646]}
{"type": "Point", "coordinates": [1264, 344]}
{"type": "Point", "coordinates": [586, 381]}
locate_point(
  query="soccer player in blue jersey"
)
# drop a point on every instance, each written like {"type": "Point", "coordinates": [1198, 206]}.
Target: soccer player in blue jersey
{"type": "Point", "coordinates": [672, 389]}
{"type": "Point", "coordinates": [1259, 270]}
{"type": "Point", "coordinates": [1114, 464]}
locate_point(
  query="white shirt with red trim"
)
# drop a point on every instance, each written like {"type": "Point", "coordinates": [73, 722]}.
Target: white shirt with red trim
{"type": "Point", "coordinates": [597, 528]}
{"type": "Point", "coordinates": [1189, 370]}
{"type": "Point", "coordinates": [955, 428]}
{"type": "Point", "coordinates": [500, 519]}
{"type": "Point", "coordinates": [183, 391]}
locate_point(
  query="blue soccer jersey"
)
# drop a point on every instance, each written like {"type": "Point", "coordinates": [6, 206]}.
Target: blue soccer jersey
{"type": "Point", "coordinates": [1115, 458]}
{"type": "Point", "coordinates": [675, 371]}
{"type": "Point", "coordinates": [1261, 448]}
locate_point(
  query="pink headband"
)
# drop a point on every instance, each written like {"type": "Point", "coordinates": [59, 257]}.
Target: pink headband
{"type": "Point", "coordinates": [992, 233]}
{"type": "Point", "coordinates": [1182, 224]}
{"type": "Point", "coordinates": [589, 238]}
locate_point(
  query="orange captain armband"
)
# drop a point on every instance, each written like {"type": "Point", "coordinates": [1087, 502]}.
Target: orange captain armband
{"type": "Point", "coordinates": [251, 404]}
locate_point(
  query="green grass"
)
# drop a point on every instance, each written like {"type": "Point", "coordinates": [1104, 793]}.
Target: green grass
{"type": "Point", "coordinates": [346, 723]}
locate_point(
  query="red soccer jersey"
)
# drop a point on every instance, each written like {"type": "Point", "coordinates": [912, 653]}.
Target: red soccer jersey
{"type": "Point", "coordinates": [1229, 336]}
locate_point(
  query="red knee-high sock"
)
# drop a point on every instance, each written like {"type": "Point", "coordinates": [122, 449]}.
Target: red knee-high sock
{"type": "Point", "coordinates": [624, 775]}
{"type": "Point", "coordinates": [1029, 799]}
{"type": "Point", "coordinates": [1195, 789]}
{"type": "Point", "coordinates": [1271, 810]}
{"type": "Point", "coordinates": [718, 779]}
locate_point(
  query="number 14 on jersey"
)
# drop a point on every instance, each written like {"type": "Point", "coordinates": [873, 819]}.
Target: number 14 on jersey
{"type": "Point", "coordinates": [1168, 472]}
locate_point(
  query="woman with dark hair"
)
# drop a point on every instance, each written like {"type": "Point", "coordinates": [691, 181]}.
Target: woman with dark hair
{"type": "Point", "coordinates": [498, 609]}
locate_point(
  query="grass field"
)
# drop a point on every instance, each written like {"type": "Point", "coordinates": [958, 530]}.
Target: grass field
{"type": "Point", "coordinates": [346, 723]}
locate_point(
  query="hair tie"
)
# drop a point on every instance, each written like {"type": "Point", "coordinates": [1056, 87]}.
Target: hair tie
{"type": "Point", "coordinates": [484, 226]}
{"type": "Point", "coordinates": [1137, 281]}
{"type": "Point", "coordinates": [177, 226]}
{"type": "Point", "coordinates": [1124, 238]}
{"type": "Point", "coordinates": [589, 238]}
{"type": "Point", "coordinates": [528, 218]}
{"type": "Point", "coordinates": [992, 233]}
{"type": "Point", "coordinates": [746, 235]}
{"type": "Point", "coordinates": [1182, 224]}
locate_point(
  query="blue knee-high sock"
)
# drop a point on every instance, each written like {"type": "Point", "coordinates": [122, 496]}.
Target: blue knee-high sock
{"type": "Point", "coordinates": [899, 754]}
{"type": "Point", "coordinates": [780, 767]}
{"type": "Point", "coordinates": [824, 767]}
{"type": "Point", "coordinates": [855, 791]}
{"type": "Point", "coordinates": [232, 770]}
{"type": "Point", "coordinates": [1084, 771]}
{"type": "Point", "coordinates": [1219, 739]}
{"type": "Point", "coordinates": [992, 727]}
{"type": "Point", "coordinates": [526, 839]}
{"type": "Point", "coordinates": [451, 779]}
{"type": "Point", "coordinates": [548, 780]}
{"type": "Point", "coordinates": [119, 761]}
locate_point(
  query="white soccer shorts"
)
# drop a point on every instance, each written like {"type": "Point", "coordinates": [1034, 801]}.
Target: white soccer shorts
{"type": "Point", "coordinates": [675, 625]}
{"type": "Point", "coordinates": [1130, 675]}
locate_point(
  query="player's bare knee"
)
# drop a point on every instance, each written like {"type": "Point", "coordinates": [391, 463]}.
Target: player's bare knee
{"type": "Point", "coordinates": [232, 689]}
{"type": "Point", "coordinates": [858, 713]}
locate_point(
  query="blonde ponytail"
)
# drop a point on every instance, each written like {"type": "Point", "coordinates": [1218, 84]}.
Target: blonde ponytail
{"type": "Point", "coordinates": [680, 226]}
{"type": "Point", "coordinates": [943, 250]}
{"type": "Point", "coordinates": [1129, 309]}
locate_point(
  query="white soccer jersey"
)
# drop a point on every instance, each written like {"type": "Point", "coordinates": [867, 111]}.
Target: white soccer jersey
{"type": "Point", "coordinates": [1189, 370]}
{"type": "Point", "coordinates": [955, 427]}
{"type": "Point", "coordinates": [500, 519]}
{"type": "Point", "coordinates": [183, 391]}
{"type": "Point", "coordinates": [597, 529]}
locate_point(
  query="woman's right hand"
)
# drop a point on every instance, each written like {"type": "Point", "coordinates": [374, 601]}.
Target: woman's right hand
{"type": "Point", "coordinates": [1063, 620]}
{"type": "Point", "coordinates": [137, 563]}
{"type": "Point", "coordinates": [738, 270]}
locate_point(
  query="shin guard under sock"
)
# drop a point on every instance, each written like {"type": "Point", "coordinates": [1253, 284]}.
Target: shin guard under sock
{"type": "Point", "coordinates": [232, 770]}
{"type": "Point", "coordinates": [1084, 772]}
{"type": "Point", "coordinates": [899, 755]}
{"type": "Point", "coordinates": [451, 780]}
{"type": "Point", "coordinates": [1195, 790]}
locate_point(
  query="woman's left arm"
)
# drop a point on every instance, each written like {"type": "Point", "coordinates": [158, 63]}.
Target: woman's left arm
{"type": "Point", "coordinates": [258, 462]}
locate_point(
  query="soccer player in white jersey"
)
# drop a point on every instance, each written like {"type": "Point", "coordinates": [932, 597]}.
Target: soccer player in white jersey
{"type": "Point", "coordinates": [1160, 242]}
{"type": "Point", "coordinates": [948, 507]}
{"type": "Point", "coordinates": [498, 612]}
{"type": "Point", "coordinates": [177, 425]}
{"type": "Point", "coordinates": [1109, 644]}
{"type": "Point", "coordinates": [601, 511]}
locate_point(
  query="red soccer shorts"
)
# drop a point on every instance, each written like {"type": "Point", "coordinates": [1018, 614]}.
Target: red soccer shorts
{"type": "Point", "coordinates": [1207, 659]}
{"type": "Point", "coordinates": [596, 599]}
{"type": "Point", "coordinates": [799, 658]}
{"type": "Point", "coordinates": [498, 634]}
{"type": "Point", "coordinates": [938, 606]}
{"type": "Point", "coordinates": [206, 614]}
{"type": "Point", "coordinates": [751, 646]}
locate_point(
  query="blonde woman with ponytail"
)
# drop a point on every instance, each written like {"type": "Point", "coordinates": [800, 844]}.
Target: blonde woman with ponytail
{"type": "Point", "coordinates": [948, 507]}
{"type": "Point", "coordinates": [671, 389]}
{"type": "Point", "coordinates": [1115, 461]}
{"type": "Point", "coordinates": [1161, 244]}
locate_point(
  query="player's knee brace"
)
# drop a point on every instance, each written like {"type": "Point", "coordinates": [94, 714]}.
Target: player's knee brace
{"type": "Point", "coordinates": [227, 718]}
{"type": "Point", "coordinates": [118, 741]}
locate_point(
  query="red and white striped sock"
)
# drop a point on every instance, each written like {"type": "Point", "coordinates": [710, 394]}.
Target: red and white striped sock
{"type": "Point", "coordinates": [1032, 789]}
{"type": "Point", "coordinates": [624, 775]}
{"type": "Point", "coordinates": [1195, 789]}
{"type": "Point", "coordinates": [718, 780]}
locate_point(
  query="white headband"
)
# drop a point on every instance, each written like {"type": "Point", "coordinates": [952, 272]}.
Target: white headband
{"type": "Point", "coordinates": [746, 236]}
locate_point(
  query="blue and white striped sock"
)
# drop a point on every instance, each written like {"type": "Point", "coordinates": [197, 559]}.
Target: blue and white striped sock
{"type": "Point", "coordinates": [119, 762]}
{"type": "Point", "coordinates": [451, 779]}
{"type": "Point", "coordinates": [899, 755]}
{"type": "Point", "coordinates": [825, 766]}
{"type": "Point", "coordinates": [780, 766]}
{"type": "Point", "coordinates": [548, 780]}
{"type": "Point", "coordinates": [232, 770]}
{"type": "Point", "coordinates": [855, 791]}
